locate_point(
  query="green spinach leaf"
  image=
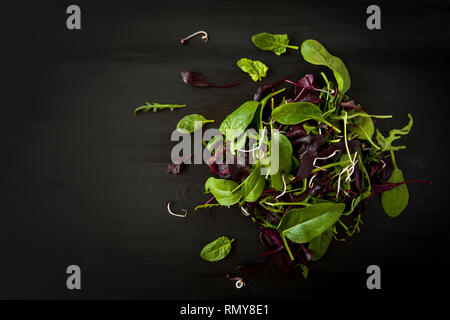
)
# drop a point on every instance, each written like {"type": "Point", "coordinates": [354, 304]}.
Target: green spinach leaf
{"type": "Point", "coordinates": [276, 43]}
{"type": "Point", "coordinates": [256, 69]}
{"type": "Point", "coordinates": [319, 245]}
{"type": "Point", "coordinates": [237, 121]}
{"type": "Point", "coordinates": [364, 129]}
{"type": "Point", "coordinates": [314, 52]}
{"type": "Point", "coordinates": [395, 200]}
{"type": "Point", "coordinates": [216, 250]}
{"type": "Point", "coordinates": [191, 123]}
{"type": "Point", "coordinates": [284, 151]}
{"type": "Point", "coordinates": [296, 112]}
{"type": "Point", "coordinates": [253, 185]}
{"type": "Point", "coordinates": [222, 191]}
{"type": "Point", "coordinates": [303, 225]}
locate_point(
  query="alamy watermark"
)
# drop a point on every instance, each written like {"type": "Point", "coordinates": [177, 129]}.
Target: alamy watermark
{"type": "Point", "coordinates": [231, 147]}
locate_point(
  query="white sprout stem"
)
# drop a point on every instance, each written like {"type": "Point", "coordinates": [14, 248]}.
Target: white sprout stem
{"type": "Point", "coordinates": [324, 158]}
{"type": "Point", "coordinates": [244, 212]}
{"type": "Point", "coordinates": [176, 214]}
{"type": "Point", "coordinates": [349, 170]}
{"type": "Point", "coordinates": [204, 37]}
{"type": "Point", "coordinates": [384, 164]}
{"type": "Point", "coordinates": [310, 181]}
{"type": "Point", "coordinates": [259, 145]}
{"type": "Point", "coordinates": [240, 283]}
{"type": "Point", "coordinates": [285, 187]}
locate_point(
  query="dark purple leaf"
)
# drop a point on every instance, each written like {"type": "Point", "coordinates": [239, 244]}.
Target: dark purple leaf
{"type": "Point", "coordinates": [308, 152]}
{"type": "Point", "coordinates": [270, 238]}
{"type": "Point", "coordinates": [319, 183]}
{"type": "Point", "coordinates": [174, 168]}
{"type": "Point", "coordinates": [340, 146]}
{"type": "Point", "coordinates": [198, 80]}
{"type": "Point", "coordinates": [386, 172]}
{"type": "Point", "coordinates": [304, 90]}
{"type": "Point", "coordinates": [296, 131]}
{"type": "Point", "coordinates": [266, 87]}
{"type": "Point", "coordinates": [350, 105]}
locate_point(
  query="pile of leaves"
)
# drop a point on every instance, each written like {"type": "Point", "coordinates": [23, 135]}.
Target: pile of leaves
{"type": "Point", "coordinates": [331, 160]}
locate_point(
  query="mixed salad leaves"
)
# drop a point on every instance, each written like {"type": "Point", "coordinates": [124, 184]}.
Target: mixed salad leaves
{"type": "Point", "coordinates": [331, 159]}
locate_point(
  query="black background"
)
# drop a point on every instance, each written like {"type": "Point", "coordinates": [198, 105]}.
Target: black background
{"type": "Point", "coordinates": [84, 181]}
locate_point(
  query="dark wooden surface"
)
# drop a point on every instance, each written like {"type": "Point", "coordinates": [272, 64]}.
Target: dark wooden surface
{"type": "Point", "coordinates": [84, 181]}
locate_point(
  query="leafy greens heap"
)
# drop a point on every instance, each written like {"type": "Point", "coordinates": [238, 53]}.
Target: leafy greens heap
{"type": "Point", "coordinates": [331, 159]}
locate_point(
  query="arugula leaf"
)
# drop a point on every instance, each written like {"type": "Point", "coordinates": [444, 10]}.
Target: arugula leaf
{"type": "Point", "coordinates": [222, 190]}
{"type": "Point", "coordinates": [395, 200]}
{"type": "Point", "coordinates": [157, 106]}
{"type": "Point", "coordinates": [303, 225]}
{"type": "Point", "coordinates": [191, 123]}
{"type": "Point", "coordinates": [237, 121]}
{"type": "Point", "coordinates": [319, 245]}
{"type": "Point", "coordinates": [216, 250]}
{"type": "Point", "coordinates": [276, 43]}
{"type": "Point", "coordinates": [314, 52]}
{"type": "Point", "coordinates": [256, 69]}
{"type": "Point", "coordinates": [394, 134]}
{"type": "Point", "coordinates": [253, 185]}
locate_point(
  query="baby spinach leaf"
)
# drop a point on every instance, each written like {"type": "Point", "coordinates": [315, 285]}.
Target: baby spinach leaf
{"type": "Point", "coordinates": [222, 191]}
{"type": "Point", "coordinates": [364, 127]}
{"type": "Point", "coordinates": [284, 151]}
{"type": "Point", "coordinates": [276, 181]}
{"type": "Point", "coordinates": [191, 123]}
{"type": "Point", "coordinates": [149, 106]}
{"type": "Point", "coordinates": [276, 43]}
{"type": "Point", "coordinates": [314, 52]}
{"type": "Point", "coordinates": [253, 185]}
{"type": "Point", "coordinates": [256, 69]}
{"type": "Point", "coordinates": [237, 121]}
{"type": "Point", "coordinates": [319, 245]}
{"type": "Point", "coordinates": [303, 225]}
{"type": "Point", "coordinates": [395, 200]}
{"type": "Point", "coordinates": [216, 250]}
{"type": "Point", "coordinates": [296, 112]}
{"type": "Point", "coordinates": [394, 134]}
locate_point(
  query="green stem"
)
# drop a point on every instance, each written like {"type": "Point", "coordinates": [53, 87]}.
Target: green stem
{"type": "Point", "coordinates": [329, 124]}
{"type": "Point", "coordinates": [300, 203]}
{"type": "Point", "coordinates": [287, 247]}
{"type": "Point", "coordinates": [362, 115]}
{"type": "Point", "coordinates": [288, 46]}
{"type": "Point", "coordinates": [393, 158]}
{"type": "Point", "coordinates": [302, 189]}
{"type": "Point", "coordinates": [345, 136]}
{"type": "Point", "coordinates": [345, 162]}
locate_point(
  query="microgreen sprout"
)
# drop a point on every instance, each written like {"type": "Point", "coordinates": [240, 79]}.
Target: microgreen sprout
{"type": "Point", "coordinates": [204, 37]}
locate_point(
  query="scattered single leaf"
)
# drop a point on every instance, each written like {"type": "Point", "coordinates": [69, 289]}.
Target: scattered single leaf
{"type": "Point", "coordinates": [216, 250]}
{"type": "Point", "coordinates": [256, 69]}
{"type": "Point", "coordinates": [276, 43]}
